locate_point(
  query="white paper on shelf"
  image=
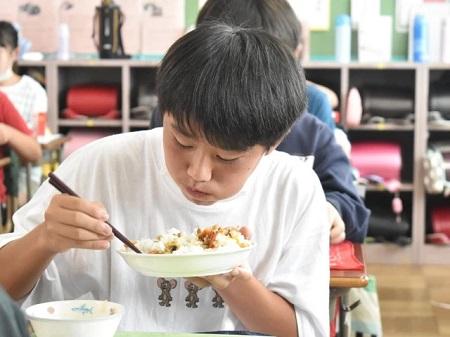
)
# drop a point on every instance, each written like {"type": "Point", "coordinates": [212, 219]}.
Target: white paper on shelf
{"type": "Point", "coordinates": [375, 39]}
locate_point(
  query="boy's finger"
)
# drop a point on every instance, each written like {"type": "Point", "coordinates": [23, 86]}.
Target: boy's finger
{"type": "Point", "coordinates": [241, 273]}
{"type": "Point", "coordinates": [219, 282]}
{"type": "Point", "coordinates": [60, 217]}
{"type": "Point", "coordinates": [245, 231]}
{"type": "Point", "coordinates": [77, 233]}
{"type": "Point", "coordinates": [198, 281]}
{"type": "Point", "coordinates": [69, 202]}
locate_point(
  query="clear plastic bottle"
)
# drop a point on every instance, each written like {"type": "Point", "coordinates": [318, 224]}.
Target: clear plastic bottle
{"type": "Point", "coordinates": [343, 38]}
{"type": "Point", "coordinates": [63, 41]}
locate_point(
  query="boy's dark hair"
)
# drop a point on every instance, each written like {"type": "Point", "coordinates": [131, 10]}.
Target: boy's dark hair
{"type": "Point", "coordinates": [8, 35]}
{"type": "Point", "coordinates": [240, 87]}
{"type": "Point", "coordinates": [274, 16]}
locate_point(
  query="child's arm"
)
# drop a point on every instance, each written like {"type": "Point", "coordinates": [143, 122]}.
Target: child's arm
{"type": "Point", "coordinates": [25, 146]}
{"type": "Point", "coordinates": [258, 308]}
{"type": "Point", "coordinates": [69, 222]}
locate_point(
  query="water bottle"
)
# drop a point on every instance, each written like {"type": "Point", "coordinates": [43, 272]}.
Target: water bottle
{"type": "Point", "coordinates": [343, 38]}
{"type": "Point", "coordinates": [420, 39]}
{"type": "Point", "coordinates": [63, 41]}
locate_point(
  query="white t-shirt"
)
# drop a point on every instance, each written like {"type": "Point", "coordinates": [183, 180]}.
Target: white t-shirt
{"type": "Point", "coordinates": [28, 97]}
{"type": "Point", "coordinates": [282, 203]}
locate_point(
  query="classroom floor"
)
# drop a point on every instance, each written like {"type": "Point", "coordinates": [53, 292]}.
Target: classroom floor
{"type": "Point", "coordinates": [414, 300]}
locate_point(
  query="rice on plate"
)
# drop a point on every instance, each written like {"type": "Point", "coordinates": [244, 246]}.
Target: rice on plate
{"type": "Point", "coordinates": [207, 251]}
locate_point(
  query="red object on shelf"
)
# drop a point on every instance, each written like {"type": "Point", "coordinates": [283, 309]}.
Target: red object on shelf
{"type": "Point", "coordinates": [342, 257]}
{"type": "Point", "coordinates": [92, 101]}
{"type": "Point", "coordinates": [383, 159]}
{"type": "Point", "coordinates": [440, 220]}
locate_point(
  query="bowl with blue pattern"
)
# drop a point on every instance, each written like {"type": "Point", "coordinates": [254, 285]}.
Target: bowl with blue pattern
{"type": "Point", "coordinates": [75, 318]}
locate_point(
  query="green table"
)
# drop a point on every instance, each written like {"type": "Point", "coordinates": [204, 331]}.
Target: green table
{"type": "Point", "coordinates": [167, 334]}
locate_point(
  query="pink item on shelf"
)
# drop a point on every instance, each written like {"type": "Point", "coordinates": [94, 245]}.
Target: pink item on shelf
{"type": "Point", "coordinates": [383, 159]}
{"type": "Point", "coordinates": [397, 205]}
{"type": "Point", "coordinates": [79, 138]}
{"type": "Point", "coordinates": [354, 109]}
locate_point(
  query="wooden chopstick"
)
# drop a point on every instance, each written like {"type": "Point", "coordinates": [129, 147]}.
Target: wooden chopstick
{"type": "Point", "coordinates": [63, 188]}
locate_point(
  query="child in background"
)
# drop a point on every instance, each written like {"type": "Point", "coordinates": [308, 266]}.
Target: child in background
{"type": "Point", "coordinates": [26, 94]}
{"type": "Point", "coordinates": [15, 134]}
{"type": "Point", "coordinates": [308, 137]}
{"type": "Point", "coordinates": [228, 96]}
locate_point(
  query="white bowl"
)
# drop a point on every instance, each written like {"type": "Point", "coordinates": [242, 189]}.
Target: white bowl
{"type": "Point", "coordinates": [186, 265]}
{"type": "Point", "coordinates": [76, 318]}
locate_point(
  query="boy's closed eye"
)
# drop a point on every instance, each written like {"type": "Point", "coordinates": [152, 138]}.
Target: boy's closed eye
{"type": "Point", "coordinates": [186, 144]}
{"type": "Point", "coordinates": [227, 160]}
{"type": "Point", "coordinates": [183, 144]}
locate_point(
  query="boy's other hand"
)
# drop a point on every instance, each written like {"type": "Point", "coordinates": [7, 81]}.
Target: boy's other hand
{"type": "Point", "coordinates": [222, 281]}
{"type": "Point", "coordinates": [337, 226]}
{"type": "Point", "coordinates": [71, 222]}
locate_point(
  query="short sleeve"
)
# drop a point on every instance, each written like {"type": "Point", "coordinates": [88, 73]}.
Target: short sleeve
{"type": "Point", "coordinates": [303, 273]}
{"type": "Point", "coordinates": [11, 117]}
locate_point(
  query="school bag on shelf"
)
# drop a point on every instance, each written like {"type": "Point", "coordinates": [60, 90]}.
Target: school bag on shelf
{"type": "Point", "coordinates": [380, 162]}
{"type": "Point", "coordinates": [390, 105]}
{"type": "Point", "coordinates": [92, 101]}
{"type": "Point", "coordinates": [439, 99]}
{"type": "Point", "coordinates": [437, 169]}
{"type": "Point", "coordinates": [440, 223]}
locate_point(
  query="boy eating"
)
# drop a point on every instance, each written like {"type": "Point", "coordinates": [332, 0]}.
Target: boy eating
{"type": "Point", "coordinates": [228, 96]}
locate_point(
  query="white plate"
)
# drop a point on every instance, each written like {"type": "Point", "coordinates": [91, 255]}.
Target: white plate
{"type": "Point", "coordinates": [186, 265]}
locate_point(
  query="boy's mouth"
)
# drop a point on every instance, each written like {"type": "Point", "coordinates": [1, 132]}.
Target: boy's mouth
{"type": "Point", "coordinates": [196, 194]}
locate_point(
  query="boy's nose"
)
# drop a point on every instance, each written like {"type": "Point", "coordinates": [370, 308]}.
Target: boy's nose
{"type": "Point", "coordinates": [200, 169]}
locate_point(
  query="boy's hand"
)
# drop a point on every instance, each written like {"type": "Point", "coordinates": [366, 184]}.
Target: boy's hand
{"type": "Point", "coordinates": [71, 222]}
{"type": "Point", "coordinates": [337, 226]}
{"type": "Point", "coordinates": [222, 281]}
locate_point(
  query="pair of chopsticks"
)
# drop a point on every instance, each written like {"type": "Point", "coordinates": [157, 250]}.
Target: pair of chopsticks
{"type": "Point", "coordinates": [63, 188]}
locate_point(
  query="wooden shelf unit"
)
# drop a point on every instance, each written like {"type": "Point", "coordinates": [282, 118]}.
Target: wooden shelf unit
{"type": "Point", "coordinates": [129, 74]}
